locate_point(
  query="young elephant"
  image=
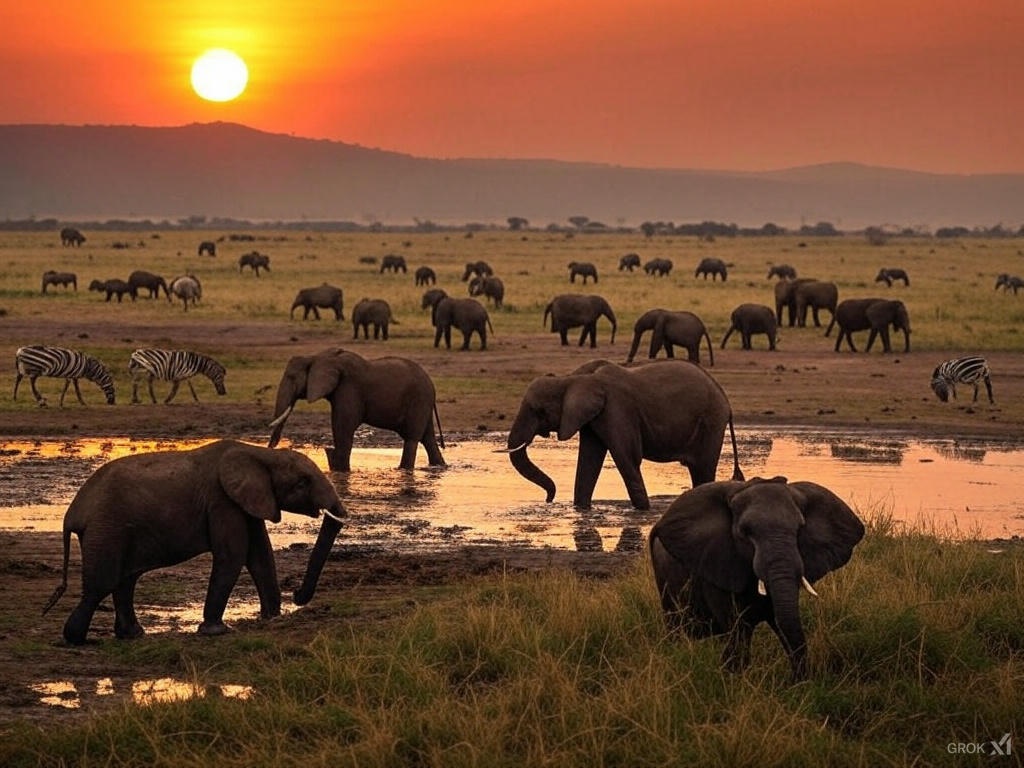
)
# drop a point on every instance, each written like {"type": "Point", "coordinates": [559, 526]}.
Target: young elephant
{"type": "Point", "coordinates": [468, 315]}
{"type": "Point", "coordinates": [572, 310]}
{"type": "Point", "coordinates": [874, 315]}
{"type": "Point", "coordinates": [326, 296]}
{"type": "Point", "coordinates": [729, 555]}
{"type": "Point", "coordinates": [375, 312]}
{"type": "Point", "coordinates": [668, 329]}
{"type": "Point", "coordinates": [749, 319]}
{"type": "Point", "coordinates": [153, 510]}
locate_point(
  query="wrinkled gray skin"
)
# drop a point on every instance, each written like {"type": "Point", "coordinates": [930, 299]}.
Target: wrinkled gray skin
{"type": "Point", "coordinates": [375, 312]}
{"type": "Point", "coordinates": [153, 510]}
{"type": "Point", "coordinates": [51, 277]}
{"type": "Point", "coordinates": [814, 295]}
{"type": "Point", "coordinates": [425, 276]}
{"type": "Point", "coordinates": [583, 269]}
{"type": "Point", "coordinates": [71, 236]}
{"type": "Point", "coordinates": [208, 247]}
{"type": "Point", "coordinates": [874, 315]}
{"type": "Point", "coordinates": [388, 393]}
{"type": "Point", "coordinates": [667, 410]}
{"type": "Point", "coordinates": [468, 315]}
{"type": "Point", "coordinates": [750, 319]}
{"type": "Point", "coordinates": [711, 266]}
{"type": "Point", "coordinates": [785, 298]}
{"type": "Point", "coordinates": [629, 262]}
{"type": "Point", "coordinates": [659, 267]}
{"type": "Point", "coordinates": [888, 275]}
{"type": "Point", "coordinates": [720, 544]}
{"type": "Point", "coordinates": [682, 329]}
{"type": "Point", "coordinates": [324, 296]}
{"type": "Point", "coordinates": [490, 287]}
{"type": "Point", "coordinates": [478, 268]}
{"type": "Point", "coordinates": [782, 271]}
{"type": "Point", "coordinates": [572, 310]}
{"type": "Point", "coordinates": [187, 288]}
{"type": "Point", "coordinates": [393, 263]}
{"type": "Point", "coordinates": [255, 261]}
{"type": "Point", "coordinates": [141, 279]}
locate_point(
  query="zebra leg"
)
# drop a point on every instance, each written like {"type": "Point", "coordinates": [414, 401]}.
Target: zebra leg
{"type": "Point", "coordinates": [174, 390]}
{"type": "Point", "coordinates": [192, 389]}
{"type": "Point", "coordinates": [39, 398]}
{"type": "Point", "coordinates": [67, 383]}
{"type": "Point", "coordinates": [17, 381]}
{"type": "Point", "coordinates": [988, 386]}
{"type": "Point", "coordinates": [152, 394]}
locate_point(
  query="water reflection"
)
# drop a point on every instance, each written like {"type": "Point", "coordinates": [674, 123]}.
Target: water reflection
{"type": "Point", "coordinates": [70, 694]}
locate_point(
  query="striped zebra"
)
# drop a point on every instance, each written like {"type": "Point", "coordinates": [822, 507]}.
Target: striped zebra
{"type": "Point", "coordinates": [964, 370]}
{"type": "Point", "coordinates": [59, 363]}
{"type": "Point", "coordinates": [175, 366]}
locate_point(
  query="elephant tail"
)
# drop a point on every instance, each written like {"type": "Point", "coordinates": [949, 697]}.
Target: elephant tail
{"type": "Point", "coordinates": [489, 326]}
{"type": "Point", "coordinates": [440, 434]}
{"type": "Point", "coordinates": [548, 310]}
{"type": "Point", "coordinates": [58, 593]}
{"type": "Point", "coordinates": [711, 352]}
{"type": "Point", "coordinates": [737, 473]}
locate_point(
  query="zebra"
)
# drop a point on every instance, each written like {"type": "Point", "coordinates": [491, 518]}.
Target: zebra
{"type": "Point", "coordinates": [964, 370]}
{"type": "Point", "coordinates": [175, 366]}
{"type": "Point", "coordinates": [59, 363]}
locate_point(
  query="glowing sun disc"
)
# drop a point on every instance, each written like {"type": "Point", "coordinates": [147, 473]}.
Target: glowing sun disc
{"type": "Point", "coordinates": [219, 75]}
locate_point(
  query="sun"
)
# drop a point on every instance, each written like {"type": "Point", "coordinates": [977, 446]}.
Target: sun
{"type": "Point", "coordinates": [219, 75]}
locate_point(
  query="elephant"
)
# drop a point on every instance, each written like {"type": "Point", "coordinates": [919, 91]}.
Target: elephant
{"type": "Point", "coordinates": [667, 410]}
{"type": "Point", "coordinates": [582, 268]}
{"type": "Point", "coordinates": [468, 315]}
{"type": "Point", "coordinates": [489, 286]}
{"type": "Point", "coordinates": [785, 297]}
{"type": "Point", "coordinates": [711, 266]}
{"type": "Point", "coordinates": [728, 555]}
{"type": "Point", "coordinates": [152, 510]}
{"type": "Point", "coordinates": [478, 268]}
{"type": "Point", "coordinates": [255, 260]}
{"type": "Point", "coordinates": [111, 287]}
{"type": "Point", "coordinates": [749, 319]}
{"type": "Point", "coordinates": [570, 310]}
{"type": "Point", "coordinates": [388, 393]}
{"type": "Point", "coordinates": [815, 295]}
{"type": "Point", "coordinates": [669, 328]}
{"type": "Point", "coordinates": [393, 263]}
{"type": "Point", "coordinates": [1009, 283]}
{"type": "Point", "coordinates": [187, 288]}
{"type": "Point", "coordinates": [425, 276]}
{"type": "Point", "coordinates": [888, 275]}
{"type": "Point", "coordinates": [781, 271]}
{"type": "Point", "coordinates": [875, 315]}
{"type": "Point", "coordinates": [71, 236]}
{"type": "Point", "coordinates": [52, 277]}
{"type": "Point", "coordinates": [326, 296]}
{"type": "Point", "coordinates": [629, 262]}
{"type": "Point", "coordinates": [151, 282]}
{"type": "Point", "coordinates": [367, 312]}
{"type": "Point", "coordinates": [659, 267]}
{"type": "Point", "coordinates": [208, 247]}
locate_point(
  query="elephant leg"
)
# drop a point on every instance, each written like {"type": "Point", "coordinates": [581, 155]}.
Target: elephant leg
{"type": "Point", "coordinates": [261, 566]}
{"type": "Point", "coordinates": [482, 332]}
{"type": "Point", "coordinates": [409, 446]}
{"type": "Point", "coordinates": [628, 463]}
{"type": "Point", "coordinates": [339, 458]}
{"type": "Point", "coordinates": [745, 339]}
{"type": "Point", "coordinates": [316, 313]}
{"type": "Point", "coordinates": [126, 623]}
{"type": "Point", "coordinates": [871, 339]}
{"type": "Point", "coordinates": [564, 334]}
{"type": "Point", "coordinates": [77, 625]}
{"type": "Point", "coordinates": [589, 460]}
{"type": "Point", "coordinates": [814, 314]}
{"type": "Point", "coordinates": [174, 391]}
{"type": "Point", "coordinates": [227, 566]}
{"type": "Point", "coordinates": [429, 441]}
{"type": "Point", "coordinates": [736, 654]}
{"type": "Point", "coordinates": [466, 334]}
{"type": "Point", "coordinates": [448, 336]}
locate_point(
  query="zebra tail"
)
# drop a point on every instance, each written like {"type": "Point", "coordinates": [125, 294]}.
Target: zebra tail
{"type": "Point", "coordinates": [62, 588]}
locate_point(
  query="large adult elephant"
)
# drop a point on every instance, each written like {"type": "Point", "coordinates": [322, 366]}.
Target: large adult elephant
{"type": "Point", "coordinates": [572, 310]}
{"type": "Point", "coordinates": [140, 279]}
{"type": "Point", "coordinates": [375, 312]}
{"type": "Point", "coordinates": [729, 555]}
{"type": "Point", "coordinates": [325, 296]}
{"type": "Point", "coordinates": [151, 510]}
{"type": "Point", "coordinates": [785, 298]}
{"type": "Point", "coordinates": [750, 319]}
{"type": "Point", "coordinates": [468, 315]}
{"type": "Point", "coordinates": [875, 315]}
{"type": "Point", "coordinates": [711, 266]}
{"type": "Point", "coordinates": [671, 328]}
{"type": "Point", "coordinates": [815, 295]}
{"type": "Point", "coordinates": [389, 393]}
{"type": "Point", "coordinates": [667, 410]}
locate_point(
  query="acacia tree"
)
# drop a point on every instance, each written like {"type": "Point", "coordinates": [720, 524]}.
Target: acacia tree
{"type": "Point", "coordinates": [579, 221]}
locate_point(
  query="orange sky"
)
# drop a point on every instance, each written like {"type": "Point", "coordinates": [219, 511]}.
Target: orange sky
{"type": "Point", "coordinates": [931, 85]}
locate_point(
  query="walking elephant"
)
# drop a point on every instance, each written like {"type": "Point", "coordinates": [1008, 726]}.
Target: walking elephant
{"type": "Point", "coordinates": [582, 269]}
{"type": "Point", "coordinates": [729, 555]}
{"type": "Point", "coordinates": [875, 315]}
{"type": "Point", "coordinates": [468, 315]}
{"type": "Point", "coordinates": [571, 310]}
{"type": "Point", "coordinates": [785, 298]}
{"type": "Point", "coordinates": [887, 276]}
{"type": "Point", "coordinates": [375, 312]}
{"type": "Point", "coordinates": [255, 261]}
{"type": "Point", "coordinates": [490, 287]}
{"type": "Point", "coordinates": [815, 295]}
{"type": "Point", "coordinates": [711, 266]}
{"type": "Point", "coordinates": [52, 277]}
{"type": "Point", "coordinates": [141, 279]}
{"type": "Point", "coordinates": [629, 262]}
{"type": "Point", "coordinates": [425, 276]}
{"type": "Point", "coordinates": [659, 267]}
{"type": "Point", "coordinates": [71, 236]}
{"type": "Point", "coordinates": [781, 271]}
{"type": "Point", "coordinates": [749, 319]}
{"type": "Point", "coordinates": [393, 263]}
{"type": "Point", "coordinates": [668, 329]}
{"type": "Point", "coordinates": [152, 510]}
{"type": "Point", "coordinates": [324, 296]}
{"type": "Point", "coordinates": [388, 393]}
{"type": "Point", "coordinates": [668, 410]}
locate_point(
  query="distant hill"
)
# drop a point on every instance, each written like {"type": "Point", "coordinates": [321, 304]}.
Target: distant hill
{"type": "Point", "coordinates": [229, 170]}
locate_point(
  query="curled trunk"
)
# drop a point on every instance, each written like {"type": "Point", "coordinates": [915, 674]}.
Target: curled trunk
{"type": "Point", "coordinates": [324, 542]}
{"type": "Point", "coordinates": [525, 467]}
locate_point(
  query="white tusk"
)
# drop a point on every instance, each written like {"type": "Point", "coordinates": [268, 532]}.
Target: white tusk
{"type": "Point", "coordinates": [511, 450]}
{"type": "Point", "coordinates": [280, 419]}
{"type": "Point", "coordinates": [761, 589]}
{"type": "Point", "coordinates": [807, 585]}
{"type": "Point", "coordinates": [328, 513]}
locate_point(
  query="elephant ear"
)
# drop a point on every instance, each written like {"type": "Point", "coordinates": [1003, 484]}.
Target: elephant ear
{"type": "Point", "coordinates": [324, 375]}
{"type": "Point", "coordinates": [697, 530]}
{"type": "Point", "coordinates": [246, 480]}
{"type": "Point", "coordinates": [830, 531]}
{"type": "Point", "coordinates": [584, 399]}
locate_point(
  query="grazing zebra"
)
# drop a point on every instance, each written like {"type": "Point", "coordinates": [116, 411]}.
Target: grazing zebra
{"type": "Point", "coordinates": [59, 363]}
{"type": "Point", "coordinates": [964, 370]}
{"type": "Point", "coordinates": [175, 366]}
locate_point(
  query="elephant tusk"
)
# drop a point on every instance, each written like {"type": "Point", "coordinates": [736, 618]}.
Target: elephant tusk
{"type": "Point", "coordinates": [336, 518]}
{"type": "Point", "coordinates": [761, 589]}
{"type": "Point", "coordinates": [511, 450]}
{"type": "Point", "coordinates": [284, 415]}
{"type": "Point", "coordinates": [807, 585]}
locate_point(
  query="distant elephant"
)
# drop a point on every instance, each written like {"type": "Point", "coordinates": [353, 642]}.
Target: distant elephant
{"type": "Point", "coordinates": [140, 278]}
{"type": "Point", "coordinates": [785, 298]}
{"type": "Point", "coordinates": [393, 263]}
{"type": "Point", "coordinates": [388, 393]}
{"type": "Point", "coordinates": [875, 315]}
{"type": "Point", "coordinates": [208, 247]}
{"type": "Point", "coordinates": [1009, 282]}
{"type": "Point", "coordinates": [782, 271]}
{"type": "Point", "coordinates": [584, 269]}
{"type": "Point", "coordinates": [749, 319]}
{"type": "Point", "coordinates": [71, 236]}
{"type": "Point", "coordinates": [64, 279]}
{"type": "Point", "coordinates": [728, 555]}
{"type": "Point", "coordinates": [668, 410]}
{"type": "Point", "coordinates": [490, 287]}
{"type": "Point", "coordinates": [478, 268]}
{"type": "Point", "coordinates": [152, 510]}
{"type": "Point", "coordinates": [711, 266]}
{"type": "Point", "coordinates": [629, 262]}
{"type": "Point", "coordinates": [815, 295]}
{"type": "Point", "coordinates": [187, 288]}
{"type": "Point", "coordinates": [888, 275]}
{"type": "Point", "coordinates": [111, 287]}
{"type": "Point", "coordinates": [425, 276]}
{"type": "Point", "coordinates": [659, 267]}
{"type": "Point", "coordinates": [326, 296]}
{"type": "Point", "coordinates": [468, 315]}
{"type": "Point", "coordinates": [571, 310]}
{"type": "Point", "coordinates": [255, 260]}
{"type": "Point", "coordinates": [375, 312]}
{"type": "Point", "coordinates": [682, 328]}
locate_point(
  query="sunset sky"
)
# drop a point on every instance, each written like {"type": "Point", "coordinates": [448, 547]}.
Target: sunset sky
{"type": "Point", "coordinates": [933, 85]}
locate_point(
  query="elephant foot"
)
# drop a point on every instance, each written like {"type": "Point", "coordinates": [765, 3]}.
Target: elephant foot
{"type": "Point", "coordinates": [129, 633]}
{"type": "Point", "coordinates": [213, 628]}
{"type": "Point", "coordinates": [270, 613]}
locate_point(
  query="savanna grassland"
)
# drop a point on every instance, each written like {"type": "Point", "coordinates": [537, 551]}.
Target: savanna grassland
{"type": "Point", "coordinates": [491, 658]}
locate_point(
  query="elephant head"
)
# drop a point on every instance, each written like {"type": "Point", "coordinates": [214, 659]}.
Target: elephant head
{"type": "Point", "coordinates": [308, 378]}
{"type": "Point", "coordinates": [744, 550]}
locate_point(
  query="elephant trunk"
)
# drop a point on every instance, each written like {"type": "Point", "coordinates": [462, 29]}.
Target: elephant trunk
{"type": "Point", "coordinates": [324, 542]}
{"type": "Point", "coordinates": [519, 438]}
{"type": "Point", "coordinates": [282, 410]}
{"type": "Point", "coordinates": [784, 591]}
